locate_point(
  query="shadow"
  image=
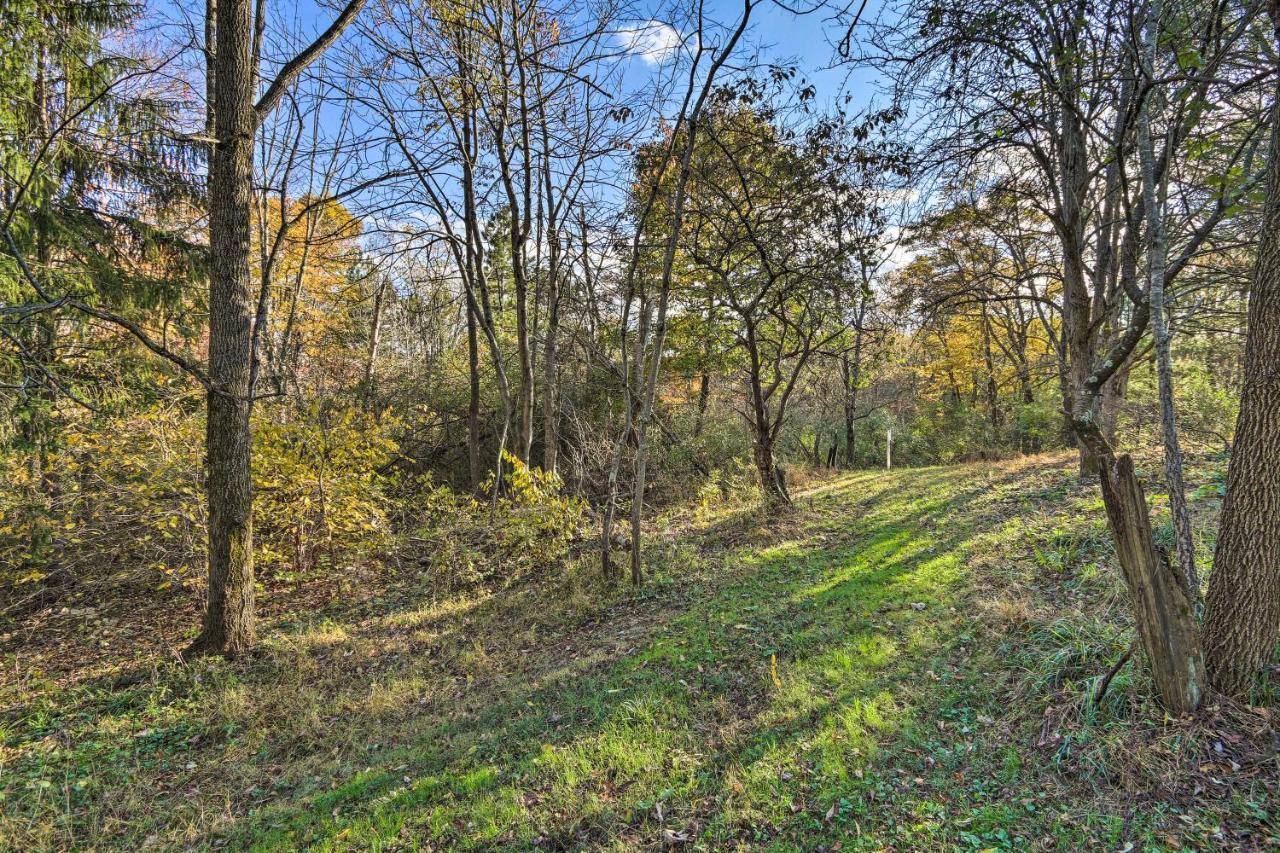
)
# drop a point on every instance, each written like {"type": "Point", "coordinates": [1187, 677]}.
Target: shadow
{"type": "Point", "coordinates": [697, 701]}
{"type": "Point", "coordinates": [743, 693]}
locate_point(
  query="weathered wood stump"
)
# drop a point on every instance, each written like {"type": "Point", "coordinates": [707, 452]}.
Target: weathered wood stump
{"type": "Point", "coordinates": [1161, 606]}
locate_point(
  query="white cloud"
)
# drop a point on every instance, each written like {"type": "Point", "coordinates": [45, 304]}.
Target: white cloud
{"type": "Point", "coordinates": [652, 41]}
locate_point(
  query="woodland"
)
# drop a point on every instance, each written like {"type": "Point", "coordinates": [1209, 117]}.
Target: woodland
{"type": "Point", "coordinates": [633, 424]}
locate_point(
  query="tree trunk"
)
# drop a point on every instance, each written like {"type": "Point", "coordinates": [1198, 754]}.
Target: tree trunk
{"type": "Point", "coordinates": [991, 387]}
{"type": "Point", "coordinates": [550, 367]}
{"type": "Point", "coordinates": [473, 403]}
{"type": "Point", "coordinates": [229, 616]}
{"type": "Point", "coordinates": [1067, 430]}
{"type": "Point", "coordinates": [550, 376]}
{"type": "Point", "coordinates": [228, 627]}
{"type": "Point", "coordinates": [1161, 605]}
{"type": "Point", "coordinates": [772, 484]}
{"type": "Point", "coordinates": [375, 336]}
{"type": "Point", "coordinates": [525, 350]}
{"type": "Point", "coordinates": [37, 428]}
{"type": "Point", "coordinates": [704, 396]}
{"type": "Point", "coordinates": [1077, 323]}
{"type": "Point", "coordinates": [1153, 191]}
{"type": "Point", "coordinates": [850, 436]}
{"type": "Point", "coordinates": [1113, 394]}
{"type": "Point", "coordinates": [851, 375]}
{"type": "Point", "coordinates": [1243, 604]}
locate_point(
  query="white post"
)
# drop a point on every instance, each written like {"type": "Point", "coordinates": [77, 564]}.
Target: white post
{"type": "Point", "coordinates": [888, 449]}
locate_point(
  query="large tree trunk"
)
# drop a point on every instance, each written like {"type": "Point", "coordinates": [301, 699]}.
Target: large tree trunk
{"type": "Point", "coordinates": [229, 616]}
{"type": "Point", "coordinates": [1073, 153]}
{"type": "Point", "coordinates": [1113, 394]}
{"type": "Point", "coordinates": [1243, 604]}
{"type": "Point", "coordinates": [228, 626]}
{"type": "Point", "coordinates": [762, 433]}
{"type": "Point", "coordinates": [772, 483]}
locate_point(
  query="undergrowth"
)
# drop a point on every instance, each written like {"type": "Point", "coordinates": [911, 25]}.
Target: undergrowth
{"type": "Point", "coordinates": [907, 659]}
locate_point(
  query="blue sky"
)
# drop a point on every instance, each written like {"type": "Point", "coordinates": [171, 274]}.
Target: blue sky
{"type": "Point", "coordinates": [780, 36]}
{"type": "Point", "coordinates": [806, 41]}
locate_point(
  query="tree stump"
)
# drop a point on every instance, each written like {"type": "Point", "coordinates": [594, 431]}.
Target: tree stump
{"type": "Point", "coordinates": [1161, 606]}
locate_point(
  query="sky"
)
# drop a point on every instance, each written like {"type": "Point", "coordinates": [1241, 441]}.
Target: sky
{"type": "Point", "coordinates": [777, 36]}
{"type": "Point", "coordinates": [805, 41]}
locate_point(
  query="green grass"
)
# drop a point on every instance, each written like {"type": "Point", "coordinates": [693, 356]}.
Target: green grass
{"type": "Point", "coordinates": [905, 660]}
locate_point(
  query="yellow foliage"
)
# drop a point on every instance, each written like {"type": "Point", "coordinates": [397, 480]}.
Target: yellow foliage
{"type": "Point", "coordinates": [128, 496]}
{"type": "Point", "coordinates": [530, 523]}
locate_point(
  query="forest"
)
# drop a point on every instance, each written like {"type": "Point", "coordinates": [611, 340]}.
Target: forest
{"type": "Point", "coordinates": [640, 424]}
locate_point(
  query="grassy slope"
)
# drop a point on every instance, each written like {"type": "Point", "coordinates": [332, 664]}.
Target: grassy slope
{"type": "Point", "coordinates": [904, 661]}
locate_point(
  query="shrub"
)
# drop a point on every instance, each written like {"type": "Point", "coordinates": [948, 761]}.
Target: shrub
{"type": "Point", "coordinates": [320, 493]}
{"type": "Point", "coordinates": [125, 502]}
{"type": "Point", "coordinates": [466, 543]}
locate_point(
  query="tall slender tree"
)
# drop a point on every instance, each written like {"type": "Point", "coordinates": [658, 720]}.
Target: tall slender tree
{"type": "Point", "coordinates": [228, 626]}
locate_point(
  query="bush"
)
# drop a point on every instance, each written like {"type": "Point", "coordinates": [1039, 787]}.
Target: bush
{"type": "Point", "coordinates": [466, 543]}
{"type": "Point", "coordinates": [125, 501]}
{"type": "Point", "coordinates": [320, 493]}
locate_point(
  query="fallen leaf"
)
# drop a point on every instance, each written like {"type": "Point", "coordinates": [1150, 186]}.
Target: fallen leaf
{"type": "Point", "coordinates": [670, 836]}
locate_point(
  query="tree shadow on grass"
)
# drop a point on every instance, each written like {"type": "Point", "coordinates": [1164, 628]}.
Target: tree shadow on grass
{"type": "Point", "coordinates": [765, 646]}
{"type": "Point", "coordinates": [806, 660]}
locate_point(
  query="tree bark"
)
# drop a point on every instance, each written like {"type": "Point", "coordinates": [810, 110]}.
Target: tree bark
{"type": "Point", "coordinates": [1157, 251]}
{"type": "Point", "coordinates": [1073, 187]}
{"type": "Point", "coordinates": [1162, 607]}
{"type": "Point", "coordinates": [772, 484]}
{"type": "Point", "coordinates": [228, 627]}
{"type": "Point", "coordinates": [1243, 603]}
{"type": "Point", "coordinates": [850, 437]}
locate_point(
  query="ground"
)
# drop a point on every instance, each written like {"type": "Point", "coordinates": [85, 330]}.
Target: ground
{"type": "Point", "coordinates": [906, 660]}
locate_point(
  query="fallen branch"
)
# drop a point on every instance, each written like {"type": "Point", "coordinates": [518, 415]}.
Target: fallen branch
{"type": "Point", "coordinates": [1111, 673]}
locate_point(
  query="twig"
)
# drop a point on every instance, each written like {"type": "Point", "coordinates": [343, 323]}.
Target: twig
{"type": "Point", "coordinates": [1111, 673]}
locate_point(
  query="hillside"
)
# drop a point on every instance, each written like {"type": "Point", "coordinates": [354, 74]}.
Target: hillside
{"type": "Point", "coordinates": [906, 660]}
